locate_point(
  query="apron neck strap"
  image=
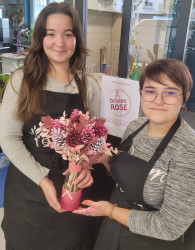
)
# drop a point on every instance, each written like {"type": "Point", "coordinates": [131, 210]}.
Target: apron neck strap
{"type": "Point", "coordinates": [78, 82]}
{"type": "Point", "coordinates": [159, 150]}
{"type": "Point", "coordinates": [126, 144]}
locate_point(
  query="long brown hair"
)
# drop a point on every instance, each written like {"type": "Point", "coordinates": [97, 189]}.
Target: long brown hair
{"type": "Point", "coordinates": [174, 69]}
{"type": "Point", "coordinates": [37, 65]}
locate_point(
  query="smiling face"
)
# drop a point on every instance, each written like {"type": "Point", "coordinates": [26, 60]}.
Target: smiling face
{"type": "Point", "coordinates": [157, 110]}
{"type": "Point", "coordinates": [59, 43]}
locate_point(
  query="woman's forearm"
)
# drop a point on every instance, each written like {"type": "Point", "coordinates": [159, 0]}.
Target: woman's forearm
{"type": "Point", "coordinates": [121, 215]}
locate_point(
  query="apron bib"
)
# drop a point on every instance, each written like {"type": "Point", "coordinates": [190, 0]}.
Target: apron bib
{"type": "Point", "coordinates": [130, 173]}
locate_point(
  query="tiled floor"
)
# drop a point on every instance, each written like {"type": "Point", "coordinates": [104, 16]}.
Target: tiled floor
{"type": "Point", "coordinates": [189, 116]}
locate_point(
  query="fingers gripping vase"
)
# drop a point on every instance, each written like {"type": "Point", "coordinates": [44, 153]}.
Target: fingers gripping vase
{"type": "Point", "coordinates": [71, 194]}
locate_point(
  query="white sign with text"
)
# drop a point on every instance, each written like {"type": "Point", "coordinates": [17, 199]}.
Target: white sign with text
{"type": "Point", "coordinates": [120, 102]}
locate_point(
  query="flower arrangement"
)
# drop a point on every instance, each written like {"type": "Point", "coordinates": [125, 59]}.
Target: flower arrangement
{"type": "Point", "coordinates": [75, 138]}
{"type": "Point", "coordinates": [26, 34]}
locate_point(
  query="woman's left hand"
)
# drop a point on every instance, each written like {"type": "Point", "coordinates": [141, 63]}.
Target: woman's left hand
{"type": "Point", "coordinates": [104, 208]}
{"type": "Point", "coordinates": [84, 179]}
{"type": "Point", "coordinates": [95, 159]}
{"type": "Point", "coordinates": [100, 208]}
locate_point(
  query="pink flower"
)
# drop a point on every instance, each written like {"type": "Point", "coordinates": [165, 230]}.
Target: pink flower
{"type": "Point", "coordinates": [87, 134]}
{"type": "Point", "coordinates": [47, 120]}
{"type": "Point", "coordinates": [74, 139]}
{"type": "Point", "coordinates": [57, 124]}
{"type": "Point", "coordinates": [75, 115]}
{"type": "Point", "coordinates": [99, 129]}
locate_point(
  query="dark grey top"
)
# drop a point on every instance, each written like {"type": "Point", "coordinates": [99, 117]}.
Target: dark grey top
{"type": "Point", "coordinates": [170, 185]}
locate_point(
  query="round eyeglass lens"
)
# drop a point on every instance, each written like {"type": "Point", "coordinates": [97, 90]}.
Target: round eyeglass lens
{"type": "Point", "coordinates": [169, 97]}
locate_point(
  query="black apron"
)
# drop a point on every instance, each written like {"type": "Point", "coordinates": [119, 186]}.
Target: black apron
{"type": "Point", "coordinates": [29, 222]}
{"type": "Point", "coordinates": [130, 173]}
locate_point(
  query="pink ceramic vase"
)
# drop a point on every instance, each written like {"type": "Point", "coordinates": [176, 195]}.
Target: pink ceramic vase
{"type": "Point", "coordinates": [71, 194]}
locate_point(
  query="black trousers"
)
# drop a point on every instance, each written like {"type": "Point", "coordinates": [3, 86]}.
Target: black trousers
{"type": "Point", "coordinates": [189, 239]}
{"type": "Point", "coordinates": [8, 247]}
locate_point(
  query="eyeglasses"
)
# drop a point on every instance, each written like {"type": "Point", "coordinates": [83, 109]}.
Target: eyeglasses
{"type": "Point", "coordinates": [169, 96]}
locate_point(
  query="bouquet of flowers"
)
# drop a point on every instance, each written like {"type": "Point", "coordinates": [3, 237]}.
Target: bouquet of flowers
{"type": "Point", "coordinates": [75, 138]}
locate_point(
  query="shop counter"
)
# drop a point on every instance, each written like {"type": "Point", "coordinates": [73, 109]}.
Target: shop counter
{"type": "Point", "coordinates": [8, 59]}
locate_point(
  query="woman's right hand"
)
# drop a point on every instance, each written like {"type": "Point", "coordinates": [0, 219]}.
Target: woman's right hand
{"type": "Point", "coordinates": [98, 158]}
{"type": "Point", "coordinates": [50, 193]}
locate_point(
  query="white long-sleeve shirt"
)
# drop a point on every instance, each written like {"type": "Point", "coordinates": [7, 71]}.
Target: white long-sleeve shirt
{"type": "Point", "coordinates": [11, 129]}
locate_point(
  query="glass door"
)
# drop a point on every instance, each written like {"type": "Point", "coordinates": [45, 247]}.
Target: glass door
{"type": "Point", "coordinates": [190, 56]}
{"type": "Point", "coordinates": [37, 5]}
{"type": "Point", "coordinates": [153, 32]}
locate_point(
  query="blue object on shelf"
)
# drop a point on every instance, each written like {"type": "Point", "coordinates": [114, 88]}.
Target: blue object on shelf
{"type": "Point", "coordinates": [103, 67]}
{"type": "Point", "coordinates": [4, 164]}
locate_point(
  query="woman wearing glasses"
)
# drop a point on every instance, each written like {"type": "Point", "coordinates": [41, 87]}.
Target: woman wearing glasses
{"type": "Point", "coordinates": [52, 80]}
{"type": "Point", "coordinates": [153, 203]}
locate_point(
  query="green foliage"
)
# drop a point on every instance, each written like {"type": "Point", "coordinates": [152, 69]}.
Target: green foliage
{"type": "Point", "coordinates": [3, 80]}
{"type": "Point", "coordinates": [174, 5]}
{"type": "Point", "coordinates": [31, 31]}
{"type": "Point", "coordinates": [135, 74]}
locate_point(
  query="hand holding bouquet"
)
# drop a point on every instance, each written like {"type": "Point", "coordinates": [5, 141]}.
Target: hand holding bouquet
{"type": "Point", "coordinates": [75, 138]}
